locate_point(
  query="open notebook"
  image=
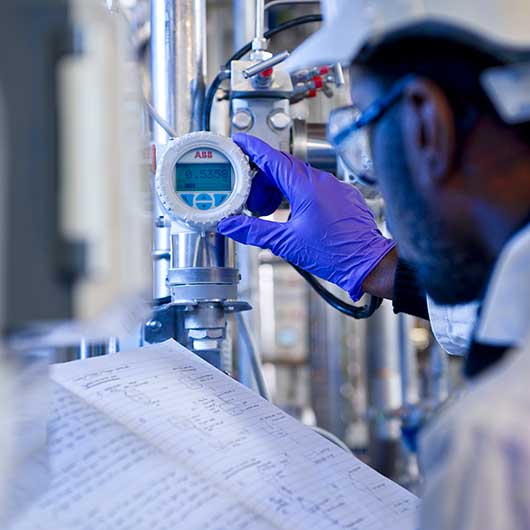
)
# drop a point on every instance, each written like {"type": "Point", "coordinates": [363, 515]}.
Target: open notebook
{"type": "Point", "coordinates": [157, 439]}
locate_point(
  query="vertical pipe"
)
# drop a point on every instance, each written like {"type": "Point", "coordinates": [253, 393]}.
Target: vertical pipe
{"type": "Point", "coordinates": [326, 350]}
{"type": "Point", "coordinates": [178, 66]}
{"type": "Point", "coordinates": [408, 365]}
{"type": "Point", "coordinates": [384, 390]}
{"type": "Point", "coordinates": [244, 16]}
{"type": "Point", "coordinates": [260, 19]}
{"type": "Point", "coordinates": [244, 12]}
{"type": "Point", "coordinates": [178, 63]}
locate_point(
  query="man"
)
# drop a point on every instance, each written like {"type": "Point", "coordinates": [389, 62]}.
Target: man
{"type": "Point", "coordinates": [445, 112]}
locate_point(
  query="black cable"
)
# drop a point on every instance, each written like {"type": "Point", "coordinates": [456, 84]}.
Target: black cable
{"type": "Point", "coordinates": [209, 99]}
{"type": "Point", "coordinates": [306, 19]}
{"type": "Point", "coordinates": [357, 312]}
{"type": "Point", "coordinates": [222, 75]}
{"type": "Point", "coordinates": [162, 301]}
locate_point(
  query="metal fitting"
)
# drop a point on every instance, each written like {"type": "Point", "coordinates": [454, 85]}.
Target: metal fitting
{"type": "Point", "coordinates": [264, 65]}
{"type": "Point", "coordinates": [206, 333]}
{"type": "Point", "coordinates": [154, 325]}
{"type": "Point", "coordinates": [279, 120]}
{"type": "Point", "coordinates": [205, 345]}
{"type": "Point", "coordinates": [243, 120]}
{"type": "Point", "coordinates": [259, 44]}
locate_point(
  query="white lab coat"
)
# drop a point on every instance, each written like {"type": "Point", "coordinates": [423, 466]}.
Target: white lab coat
{"type": "Point", "coordinates": [475, 454]}
{"type": "Point", "coordinates": [504, 316]}
{"type": "Point", "coordinates": [453, 326]}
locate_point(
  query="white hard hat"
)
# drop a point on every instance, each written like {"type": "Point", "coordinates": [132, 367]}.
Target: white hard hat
{"type": "Point", "coordinates": [349, 25]}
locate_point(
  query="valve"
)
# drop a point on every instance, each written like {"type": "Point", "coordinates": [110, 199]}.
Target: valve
{"type": "Point", "coordinates": [265, 65]}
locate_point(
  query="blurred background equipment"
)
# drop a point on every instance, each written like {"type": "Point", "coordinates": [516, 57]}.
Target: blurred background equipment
{"type": "Point", "coordinates": [73, 237]}
{"type": "Point", "coordinates": [34, 283]}
{"type": "Point", "coordinates": [363, 381]}
{"type": "Point", "coordinates": [96, 101]}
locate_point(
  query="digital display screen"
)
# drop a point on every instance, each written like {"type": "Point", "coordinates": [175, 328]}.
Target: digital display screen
{"type": "Point", "coordinates": [203, 177]}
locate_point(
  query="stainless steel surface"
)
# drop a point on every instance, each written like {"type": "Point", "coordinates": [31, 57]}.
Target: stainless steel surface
{"type": "Point", "coordinates": [202, 279]}
{"type": "Point", "coordinates": [244, 15]}
{"type": "Point", "coordinates": [338, 75]}
{"type": "Point", "coordinates": [280, 87]}
{"type": "Point", "coordinates": [407, 361]}
{"type": "Point", "coordinates": [178, 63]}
{"type": "Point", "coordinates": [259, 43]}
{"type": "Point", "coordinates": [262, 108]}
{"type": "Point", "coordinates": [260, 19]}
{"type": "Point", "coordinates": [310, 144]}
{"type": "Point", "coordinates": [320, 153]}
{"type": "Point", "coordinates": [276, 3]}
{"type": "Point", "coordinates": [206, 331]}
{"type": "Point", "coordinates": [253, 353]}
{"type": "Point", "coordinates": [244, 12]}
{"type": "Point", "coordinates": [279, 120]}
{"type": "Point", "coordinates": [204, 292]}
{"type": "Point", "coordinates": [257, 68]}
{"type": "Point", "coordinates": [203, 268]}
{"type": "Point", "coordinates": [196, 249]}
{"type": "Point", "coordinates": [243, 120]}
{"type": "Point", "coordinates": [206, 275]}
{"type": "Point", "coordinates": [178, 66]}
{"type": "Point", "coordinates": [200, 276]}
{"type": "Point", "coordinates": [161, 253]}
{"type": "Point", "coordinates": [209, 316]}
{"type": "Point", "coordinates": [383, 379]}
{"type": "Point", "coordinates": [160, 121]}
{"type": "Point", "coordinates": [326, 328]}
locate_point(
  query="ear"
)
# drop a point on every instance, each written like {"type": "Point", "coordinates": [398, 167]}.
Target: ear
{"type": "Point", "coordinates": [428, 133]}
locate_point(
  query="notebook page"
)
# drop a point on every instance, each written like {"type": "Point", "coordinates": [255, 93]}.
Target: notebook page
{"type": "Point", "coordinates": [105, 477]}
{"type": "Point", "coordinates": [251, 449]}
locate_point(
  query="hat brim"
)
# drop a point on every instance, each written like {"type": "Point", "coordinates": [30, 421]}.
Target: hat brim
{"type": "Point", "coordinates": [429, 29]}
{"type": "Point", "coordinates": [346, 43]}
{"type": "Point", "coordinates": [329, 45]}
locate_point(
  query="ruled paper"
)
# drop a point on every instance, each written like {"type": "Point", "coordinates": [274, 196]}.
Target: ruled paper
{"type": "Point", "coordinates": [105, 477]}
{"type": "Point", "coordinates": [233, 443]}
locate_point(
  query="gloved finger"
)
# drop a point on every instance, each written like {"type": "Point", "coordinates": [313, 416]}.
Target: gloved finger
{"type": "Point", "coordinates": [280, 169]}
{"type": "Point", "coordinates": [252, 231]}
{"type": "Point", "coordinates": [264, 197]}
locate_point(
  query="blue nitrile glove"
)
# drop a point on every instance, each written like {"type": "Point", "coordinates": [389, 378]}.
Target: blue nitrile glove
{"type": "Point", "coordinates": [331, 233]}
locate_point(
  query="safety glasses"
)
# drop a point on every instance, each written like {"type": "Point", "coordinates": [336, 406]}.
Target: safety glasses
{"type": "Point", "coordinates": [349, 132]}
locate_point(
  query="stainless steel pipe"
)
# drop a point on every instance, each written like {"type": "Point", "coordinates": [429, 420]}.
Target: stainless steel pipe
{"type": "Point", "coordinates": [197, 250]}
{"type": "Point", "coordinates": [309, 143]}
{"type": "Point", "coordinates": [260, 18]}
{"type": "Point", "coordinates": [178, 63]}
{"type": "Point", "coordinates": [178, 70]}
{"type": "Point", "coordinates": [244, 12]}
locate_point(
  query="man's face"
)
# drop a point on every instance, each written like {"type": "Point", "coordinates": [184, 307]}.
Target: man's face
{"type": "Point", "coordinates": [451, 264]}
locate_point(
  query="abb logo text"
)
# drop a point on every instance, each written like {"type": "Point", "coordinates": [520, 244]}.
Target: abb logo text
{"type": "Point", "coordinates": [203, 154]}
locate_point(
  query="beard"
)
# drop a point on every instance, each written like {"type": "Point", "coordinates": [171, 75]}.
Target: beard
{"type": "Point", "coordinates": [452, 267]}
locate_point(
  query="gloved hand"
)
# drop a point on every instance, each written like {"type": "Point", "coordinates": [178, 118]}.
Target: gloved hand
{"type": "Point", "coordinates": [331, 233]}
